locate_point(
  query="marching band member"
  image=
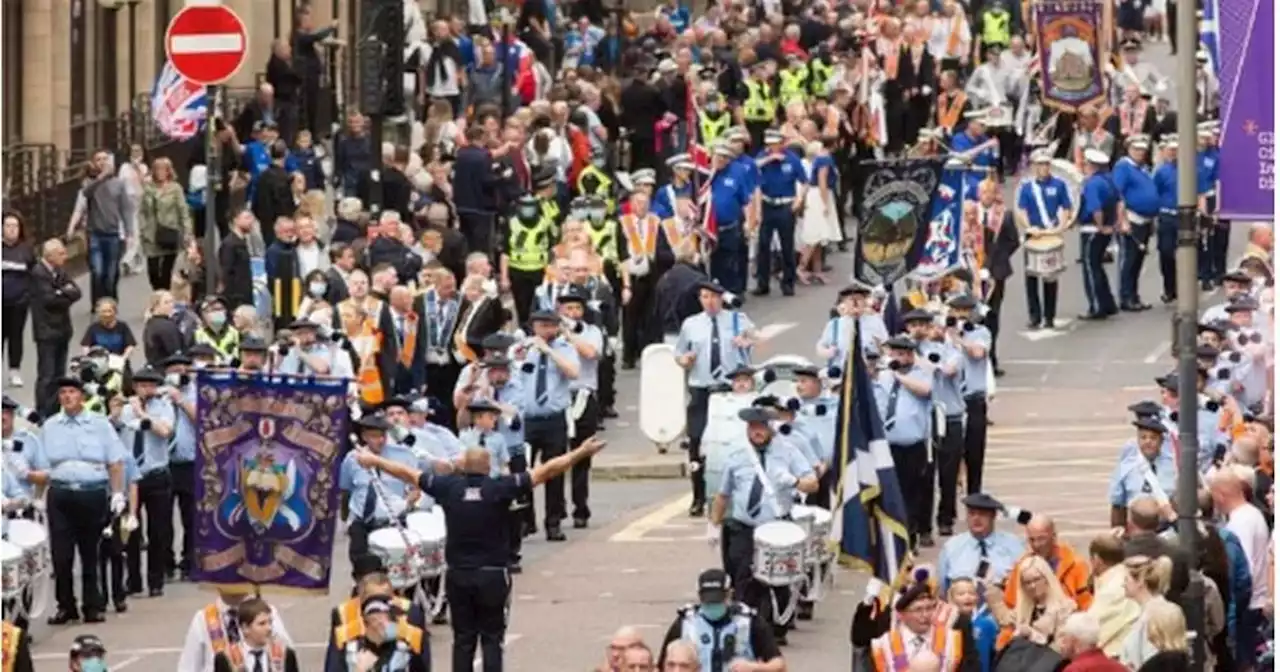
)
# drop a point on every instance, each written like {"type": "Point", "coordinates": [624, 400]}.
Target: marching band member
{"type": "Point", "coordinates": [1139, 203]}
{"type": "Point", "coordinates": [148, 422]}
{"type": "Point", "coordinates": [974, 341]}
{"type": "Point", "coordinates": [366, 506]}
{"type": "Point", "coordinates": [555, 281]}
{"type": "Point", "coordinates": [1099, 201]}
{"type": "Point", "coordinates": [80, 461]}
{"type": "Point", "coordinates": [819, 409]}
{"type": "Point", "coordinates": [215, 630]}
{"type": "Point", "coordinates": [641, 229]}
{"type": "Point", "coordinates": [258, 650]}
{"type": "Point", "coordinates": [1234, 284]}
{"type": "Point", "coordinates": [758, 487]}
{"type": "Point", "coordinates": [1215, 236]}
{"type": "Point", "coordinates": [526, 254]}
{"type": "Point", "coordinates": [982, 552]}
{"type": "Point", "coordinates": [383, 639]}
{"type": "Point", "coordinates": [114, 546]}
{"type": "Point", "coordinates": [306, 355]}
{"type": "Point", "coordinates": [723, 631]}
{"type": "Point", "coordinates": [588, 342]}
{"type": "Point", "coordinates": [711, 344]}
{"type": "Point", "coordinates": [19, 444]}
{"type": "Point", "coordinates": [1149, 471]}
{"type": "Point", "coordinates": [979, 151]}
{"type": "Point", "coordinates": [180, 387]}
{"type": "Point", "coordinates": [549, 365]}
{"type": "Point", "coordinates": [854, 304]}
{"type": "Point", "coordinates": [783, 183]}
{"type": "Point", "coordinates": [600, 310]}
{"type": "Point", "coordinates": [903, 392]}
{"type": "Point", "coordinates": [253, 355]}
{"type": "Point", "coordinates": [1166, 180]}
{"type": "Point", "coordinates": [732, 197]}
{"type": "Point", "coordinates": [948, 363]}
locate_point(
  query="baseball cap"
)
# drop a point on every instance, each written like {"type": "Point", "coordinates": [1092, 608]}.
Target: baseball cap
{"type": "Point", "coordinates": [713, 585]}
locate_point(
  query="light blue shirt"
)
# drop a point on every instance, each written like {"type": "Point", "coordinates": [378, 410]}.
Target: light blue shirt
{"type": "Point", "coordinates": [339, 362]}
{"type": "Point", "coordinates": [803, 440]}
{"type": "Point", "coordinates": [975, 368]}
{"type": "Point", "coordinates": [822, 426]}
{"type": "Point", "coordinates": [436, 441]}
{"type": "Point", "coordinates": [19, 463]}
{"type": "Point", "coordinates": [184, 432]}
{"type": "Point", "coordinates": [695, 337]}
{"type": "Point", "coordinates": [76, 449]}
{"type": "Point", "coordinates": [962, 554]}
{"type": "Point", "coordinates": [558, 395]}
{"type": "Point", "coordinates": [545, 296]}
{"type": "Point", "coordinates": [1129, 480]}
{"type": "Point", "coordinates": [947, 388]}
{"type": "Point", "coordinates": [838, 333]}
{"type": "Point", "coordinates": [13, 488]}
{"type": "Point", "coordinates": [782, 464]}
{"type": "Point", "coordinates": [155, 448]}
{"type": "Point", "coordinates": [493, 444]}
{"type": "Point", "coordinates": [908, 422]}
{"type": "Point", "coordinates": [356, 481]}
{"type": "Point", "coordinates": [510, 394]}
{"type": "Point", "coordinates": [589, 369]}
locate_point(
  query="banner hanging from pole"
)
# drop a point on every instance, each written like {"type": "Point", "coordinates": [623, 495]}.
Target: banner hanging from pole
{"type": "Point", "coordinates": [1246, 38]}
{"type": "Point", "coordinates": [897, 201]}
{"type": "Point", "coordinates": [942, 246]}
{"type": "Point", "coordinates": [1069, 39]}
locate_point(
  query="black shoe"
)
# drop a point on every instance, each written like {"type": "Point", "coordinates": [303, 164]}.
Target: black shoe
{"type": "Point", "coordinates": [185, 577]}
{"type": "Point", "coordinates": [1167, 299]}
{"type": "Point", "coordinates": [515, 568]}
{"type": "Point", "coordinates": [788, 291]}
{"type": "Point", "coordinates": [530, 529]}
{"type": "Point", "coordinates": [121, 607]}
{"type": "Point", "coordinates": [155, 592]}
{"type": "Point", "coordinates": [133, 590]}
{"type": "Point", "coordinates": [628, 366]}
{"type": "Point", "coordinates": [579, 523]}
{"type": "Point", "coordinates": [171, 575]}
{"type": "Point", "coordinates": [94, 617]}
{"type": "Point", "coordinates": [1130, 307]}
{"type": "Point", "coordinates": [1033, 325]}
{"type": "Point", "coordinates": [1206, 285]}
{"type": "Point", "coordinates": [780, 637]}
{"type": "Point", "coordinates": [804, 611]}
{"type": "Point", "coordinates": [63, 618]}
{"type": "Point", "coordinates": [1108, 257]}
{"type": "Point", "coordinates": [945, 530]}
{"type": "Point", "coordinates": [697, 510]}
{"type": "Point", "coordinates": [760, 291]}
{"type": "Point", "coordinates": [609, 412]}
{"type": "Point", "coordinates": [926, 541]}
{"type": "Point", "coordinates": [555, 534]}
{"type": "Point", "coordinates": [997, 372]}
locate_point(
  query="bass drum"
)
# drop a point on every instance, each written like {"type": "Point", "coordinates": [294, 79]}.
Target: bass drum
{"type": "Point", "coordinates": [782, 368]}
{"type": "Point", "coordinates": [724, 430]}
{"type": "Point", "coordinates": [663, 397]}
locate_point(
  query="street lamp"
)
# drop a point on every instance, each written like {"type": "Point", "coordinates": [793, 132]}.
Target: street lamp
{"type": "Point", "coordinates": [132, 5]}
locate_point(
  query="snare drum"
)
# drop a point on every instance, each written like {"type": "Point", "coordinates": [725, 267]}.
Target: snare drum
{"type": "Point", "coordinates": [399, 559]}
{"type": "Point", "coordinates": [1046, 256]}
{"type": "Point", "coordinates": [430, 530]}
{"type": "Point", "coordinates": [803, 516]}
{"type": "Point", "coordinates": [33, 539]}
{"type": "Point", "coordinates": [13, 571]}
{"type": "Point", "coordinates": [818, 537]}
{"type": "Point", "coordinates": [779, 556]}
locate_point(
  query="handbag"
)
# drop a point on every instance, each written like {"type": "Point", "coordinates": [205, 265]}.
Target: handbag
{"type": "Point", "coordinates": [168, 238]}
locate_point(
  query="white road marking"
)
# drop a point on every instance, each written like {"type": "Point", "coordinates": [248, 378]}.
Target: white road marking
{"type": "Point", "coordinates": [771, 331]}
{"type": "Point", "coordinates": [653, 520]}
{"type": "Point", "coordinates": [125, 663]}
{"type": "Point", "coordinates": [1161, 350]}
{"type": "Point", "coordinates": [225, 43]}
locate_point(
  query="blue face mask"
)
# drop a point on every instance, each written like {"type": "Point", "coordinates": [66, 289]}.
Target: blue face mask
{"type": "Point", "coordinates": [389, 632]}
{"type": "Point", "coordinates": [715, 610]}
{"type": "Point", "coordinates": [93, 665]}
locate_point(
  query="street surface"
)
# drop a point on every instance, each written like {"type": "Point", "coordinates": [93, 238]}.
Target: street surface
{"type": "Point", "coordinates": [1059, 417]}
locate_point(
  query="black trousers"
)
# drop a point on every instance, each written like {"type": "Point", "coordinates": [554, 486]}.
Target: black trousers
{"type": "Point", "coordinates": [358, 537]}
{"type": "Point", "coordinates": [51, 363]}
{"type": "Point", "coordinates": [548, 438]}
{"type": "Point", "coordinates": [160, 270]}
{"type": "Point", "coordinates": [580, 475]}
{"type": "Point", "coordinates": [519, 513]}
{"type": "Point", "coordinates": [737, 552]}
{"type": "Point", "coordinates": [992, 320]}
{"type": "Point", "coordinates": [911, 464]}
{"type": "Point", "coordinates": [478, 230]}
{"type": "Point", "coordinates": [13, 321]}
{"type": "Point", "coordinates": [440, 383]}
{"type": "Point", "coordinates": [635, 315]}
{"type": "Point", "coordinates": [76, 521]}
{"type": "Point", "coordinates": [111, 566]}
{"type": "Point", "coordinates": [975, 441]}
{"type": "Point", "coordinates": [695, 423]}
{"type": "Point", "coordinates": [947, 457]}
{"type": "Point", "coordinates": [478, 603]}
{"type": "Point", "coordinates": [524, 285]}
{"type": "Point", "coordinates": [1037, 311]}
{"type": "Point", "coordinates": [155, 507]}
{"type": "Point", "coordinates": [184, 498]}
{"type": "Point", "coordinates": [608, 376]}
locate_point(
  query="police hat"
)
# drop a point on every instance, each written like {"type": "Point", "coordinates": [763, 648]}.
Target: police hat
{"type": "Point", "coordinates": [981, 501]}
{"type": "Point", "coordinates": [544, 316]}
{"type": "Point", "coordinates": [176, 360]}
{"type": "Point", "coordinates": [374, 421]}
{"type": "Point", "coordinates": [68, 381]}
{"type": "Point", "coordinates": [302, 323]}
{"type": "Point", "coordinates": [807, 370]}
{"type": "Point", "coordinates": [711, 286]}
{"type": "Point", "coordinates": [901, 343]}
{"type": "Point", "coordinates": [855, 290]}
{"type": "Point", "coordinates": [1241, 303]}
{"type": "Point", "coordinates": [87, 645]}
{"type": "Point", "coordinates": [918, 591]}
{"type": "Point", "coordinates": [572, 295]}
{"type": "Point", "coordinates": [253, 344]}
{"type": "Point", "coordinates": [497, 341]}
{"type": "Point", "coordinates": [366, 564]}
{"type": "Point", "coordinates": [917, 315]}
{"type": "Point", "coordinates": [496, 360]}
{"type": "Point", "coordinates": [1150, 424]}
{"type": "Point", "coordinates": [755, 414]}
{"type": "Point", "coordinates": [713, 585]}
{"type": "Point", "coordinates": [148, 375]}
{"type": "Point", "coordinates": [213, 300]}
{"type": "Point", "coordinates": [1168, 382]}
{"type": "Point", "coordinates": [744, 370]}
{"type": "Point", "coordinates": [483, 406]}
{"type": "Point", "coordinates": [206, 350]}
{"type": "Point", "coordinates": [1238, 276]}
{"type": "Point", "coordinates": [1145, 409]}
{"type": "Point", "coordinates": [10, 404]}
{"type": "Point", "coordinates": [543, 177]}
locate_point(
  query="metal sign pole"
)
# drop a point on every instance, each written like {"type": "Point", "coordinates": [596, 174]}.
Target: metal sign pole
{"type": "Point", "coordinates": [213, 168]}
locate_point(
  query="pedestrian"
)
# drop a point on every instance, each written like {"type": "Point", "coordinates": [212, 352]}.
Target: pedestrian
{"type": "Point", "coordinates": [161, 336]}
{"type": "Point", "coordinates": [102, 209]}
{"type": "Point", "coordinates": [258, 643]}
{"type": "Point", "coordinates": [164, 223]}
{"type": "Point", "coordinates": [17, 264]}
{"type": "Point", "coordinates": [53, 292]}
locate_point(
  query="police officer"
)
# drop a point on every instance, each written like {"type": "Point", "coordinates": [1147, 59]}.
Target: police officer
{"type": "Point", "coordinates": [526, 252]}
{"type": "Point", "coordinates": [783, 182]}
{"type": "Point", "coordinates": [1150, 470]}
{"type": "Point", "coordinates": [549, 364]}
{"type": "Point", "coordinates": [947, 359]}
{"type": "Point", "coordinates": [793, 83]}
{"type": "Point", "coordinates": [723, 631]}
{"type": "Point", "coordinates": [759, 485]}
{"type": "Point", "coordinates": [383, 639]}
{"type": "Point", "coordinates": [759, 104]}
{"type": "Point", "coordinates": [714, 119]}
{"type": "Point", "coordinates": [215, 329]}
{"type": "Point", "coordinates": [81, 462]}
{"type": "Point", "coordinates": [1097, 218]}
{"type": "Point", "coordinates": [360, 500]}
{"type": "Point", "coordinates": [1141, 203]}
{"type": "Point", "coordinates": [602, 228]}
{"type": "Point", "coordinates": [974, 342]}
{"type": "Point", "coordinates": [594, 181]}
{"type": "Point", "coordinates": [477, 550]}
{"type": "Point", "coordinates": [903, 394]}
{"type": "Point", "coordinates": [710, 345]}
{"type": "Point", "coordinates": [588, 342]}
{"type": "Point", "coordinates": [180, 390]}
{"type": "Point", "coordinates": [1043, 209]}
{"type": "Point", "coordinates": [731, 198]}
{"type": "Point", "coordinates": [983, 552]}
{"type": "Point", "coordinates": [148, 421]}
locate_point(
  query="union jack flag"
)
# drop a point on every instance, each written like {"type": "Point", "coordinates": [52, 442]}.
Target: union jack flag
{"type": "Point", "coordinates": [178, 105]}
{"type": "Point", "coordinates": [702, 159]}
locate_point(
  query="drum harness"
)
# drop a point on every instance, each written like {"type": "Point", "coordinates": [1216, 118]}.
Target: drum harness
{"type": "Point", "coordinates": [772, 496]}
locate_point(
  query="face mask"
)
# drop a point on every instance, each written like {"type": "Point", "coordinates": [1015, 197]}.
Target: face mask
{"type": "Point", "coordinates": [528, 213]}
{"type": "Point", "coordinates": [173, 380]}
{"type": "Point", "coordinates": [217, 320]}
{"type": "Point", "coordinates": [93, 665]}
{"type": "Point", "coordinates": [98, 363]}
{"type": "Point", "coordinates": [316, 288]}
{"type": "Point", "coordinates": [713, 108]}
{"type": "Point", "coordinates": [389, 632]}
{"type": "Point", "coordinates": [714, 611]}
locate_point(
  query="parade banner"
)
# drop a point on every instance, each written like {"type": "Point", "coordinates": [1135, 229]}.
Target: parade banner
{"type": "Point", "coordinates": [178, 105]}
{"type": "Point", "coordinates": [267, 480]}
{"type": "Point", "coordinates": [1071, 58]}
{"type": "Point", "coordinates": [897, 197]}
{"type": "Point", "coordinates": [1246, 38]}
{"type": "Point", "coordinates": [1209, 35]}
{"type": "Point", "coordinates": [942, 247]}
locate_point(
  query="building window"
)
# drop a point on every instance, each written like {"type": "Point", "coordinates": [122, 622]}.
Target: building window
{"type": "Point", "coordinates": [81, 137]}
{"type": "Point", "coordinates": [163, 14]}
{"type": "Point", "coordinates": [14, 50]}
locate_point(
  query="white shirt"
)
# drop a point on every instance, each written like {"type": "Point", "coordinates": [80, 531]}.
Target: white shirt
{"type": "Point", "coordinates": [915, 644]}
{"type": "Point", "coordinates": [940, 35]}
{"type": "Point", "coordinates": [197, 650]}
{"type": "Point", "coordinates": [1248, 524]}
{"type": "Point", "coordinates": [308, 258]}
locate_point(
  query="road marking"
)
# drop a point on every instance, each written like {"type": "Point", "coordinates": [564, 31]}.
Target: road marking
{"type": "Point", "coordinates": [1161, 350]}
{"type": "Point", "coordinates": [125, 663]}
{"type": "Point", "coordinates": [771, 331]}
{"type": "Point", "coordinates": [1061, 327]}
{"type": "Point", "coordinates": [652, 520]}
{"type": "Point", "coordinates": [1051, 429]}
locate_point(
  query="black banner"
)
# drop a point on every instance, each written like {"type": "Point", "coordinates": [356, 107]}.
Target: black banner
{"type": "Point", "coordinates": [893, 219]}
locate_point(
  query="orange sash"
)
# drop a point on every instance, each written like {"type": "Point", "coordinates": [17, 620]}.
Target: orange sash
{"type": "Point", "coordinates": [218, 638]}
{"type": "Point", "coordinates": [671, 229]}
{"type": "Point", "coordinates": [370, 378]}
{"type": "Point", "coordinates": [410, 341]}
{"type": "Point", "coordinates": [9, 642]}
{"type": "Point", "coordinates": [892, 51]}
{"type": "Point", "coordinates": [953, 39]}
{"type": "Point", "coordinates": [949, 112]}
{"type": "Point", "coordinates": [642, 235]}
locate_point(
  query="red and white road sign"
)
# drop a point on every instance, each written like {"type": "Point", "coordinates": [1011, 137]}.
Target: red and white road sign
{"type": "Point", "coordinates": [207, 44]}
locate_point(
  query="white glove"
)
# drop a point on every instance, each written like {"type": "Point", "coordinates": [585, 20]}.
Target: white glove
{"type": "Point", "coordinates": [117, 503]}
{"type": "Point", "coordinates": [129, 524]}
{"type": "Point", "coordinates": [784, 478]}
{"type": "Point", "coordinates": [926, 89]}
{"type": "Point", "coordinates": [39, 505]}
{"type": "Point", "coordinates": [713, 534]}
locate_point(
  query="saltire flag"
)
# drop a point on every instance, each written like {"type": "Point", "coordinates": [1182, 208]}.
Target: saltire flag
{"type": "Point", "coordinates": [942, 246]}
{"type": "Point", "coordinates": [1209, 34]}
{"type": "Point", "coordinates": [178, 105]}
{"type": "Point", "coordinates": [870, 521]}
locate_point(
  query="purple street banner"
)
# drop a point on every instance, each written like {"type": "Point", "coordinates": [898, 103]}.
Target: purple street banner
{"type": "Point", "coordinates": [1071, 61]}
{"type": "Point", "coordinates": [1247, 179]}
{"type": "Point", "coordinates": [267, 474]}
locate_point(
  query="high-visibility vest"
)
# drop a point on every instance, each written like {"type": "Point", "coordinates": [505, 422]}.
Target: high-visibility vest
{"type": "Point", "coordinates": [549, 208]}
{"type": "Point", "coordinates": [528, 248]}
{"type": "Point", "coordinates": [227, 345]}
{"type": "Point", "coordinates": [711, 129]}
{"type": "Point", "coordinates": [995, 27]}
{"type": "Point", "coordinates": [96, 404]}
{"type": "Point", "coordinates": [759, 105]}
{"type": "Point", "coordinates": [793, 86]}
{"type": "Point", "coordinates": [819, 76]}
{"type": "Point", "coordinates": [604, 239]}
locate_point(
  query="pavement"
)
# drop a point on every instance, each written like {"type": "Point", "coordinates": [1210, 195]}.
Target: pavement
{"type": "Point", "coordinates": [1059, 419]}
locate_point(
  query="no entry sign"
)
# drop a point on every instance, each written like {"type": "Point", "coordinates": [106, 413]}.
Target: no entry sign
{"type": "Point", "coordinates": [206, 44]}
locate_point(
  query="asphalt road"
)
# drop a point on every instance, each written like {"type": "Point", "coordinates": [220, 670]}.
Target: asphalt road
{"type": "Point", "coordinates": [1059, 419]}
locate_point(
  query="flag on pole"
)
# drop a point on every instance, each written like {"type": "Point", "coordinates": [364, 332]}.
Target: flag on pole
{"type": "Point", "coordinates": [1209, 34]}
{"type": "Point", "coordinates": [870, 517]}
{"type": "Point", "coordinates": [178, 105]}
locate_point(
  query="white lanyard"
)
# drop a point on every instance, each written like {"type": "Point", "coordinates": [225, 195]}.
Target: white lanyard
{"type": "Point", "coordinates": [1039, 197]}
{"type": "Point", "coordinates": [769, 492]}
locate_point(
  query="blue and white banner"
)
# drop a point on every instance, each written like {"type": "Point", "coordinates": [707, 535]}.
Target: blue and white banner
{"type": "Point", "coordinates": [1209, 34]}
{"type": "Point", "coordinates": [942, 246]}
{"type": "Point", "coordinates": [178, 105]}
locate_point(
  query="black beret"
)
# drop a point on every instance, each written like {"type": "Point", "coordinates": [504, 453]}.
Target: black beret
{"type": "Point", "coordinates": [253, 344]}
{"type": "Point", "coordinates": [981, 501]}
{"type": "Point", "coordinates": [148, 375]}
{"type": "Point", "coordinates": [917, 315]}
{"type": "Point", "coordinates": [544, 316]}
{"type": "Point", "coordinates": [1151, 425]}
{"type": "Point", "coordinates": [901, 343]}
{"type": "Point", "coordinates": [374, 421]}
{"type": "Point", "coordinates": [755, 414]}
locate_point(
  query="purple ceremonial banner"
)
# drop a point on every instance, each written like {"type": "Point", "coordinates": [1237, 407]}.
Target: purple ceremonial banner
{"type": "Point", "coordinates": [1246, 38]}
{"type": "Point", "coordinates": [266, 486]}
{"type": "Point", "coordinates": [1069, 32]}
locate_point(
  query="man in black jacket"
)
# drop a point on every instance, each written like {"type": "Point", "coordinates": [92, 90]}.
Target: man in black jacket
{"type": "Point", "coordinates": [53, 292]}
{"type": "Point", "coordinates": [474, 186]}
{"type": "Point", "coordinates": [273, 195]}
{"type": "Point", "coordinates": [675, 298]}
{"type": "Point", "coordinates": [642, 107]}
{"type": "Point", "coordinates": [234, 257]}
{"type": "Point", "coordinates": [396, 188]}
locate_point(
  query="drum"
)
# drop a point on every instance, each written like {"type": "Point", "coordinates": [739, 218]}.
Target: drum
{"type": "Point", "coordinates": [13, 571]}
{"type": "Point", "coordinates": [1046, 256]}
{"type": "Point", "coordinates": [784, 377]}
{"type": "Point", "coordinates": [724, 431]}
{"type": "Point", "coordinates": [662, 395]}
{"type": "Point", "coordinates": [779, 556]}
{"type": "Point", "coordinates": [818, 551]}
{"type": "Point", "coordinates": [803, 516]}
{"type": "Point", "coordinates": [399, 558]}
{"type": "Point", "coordinates": [33, 539]}
{"type": "Point", "coordinates": [431, 534]}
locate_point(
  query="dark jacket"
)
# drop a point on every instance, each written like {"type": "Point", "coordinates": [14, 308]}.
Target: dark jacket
{"type": "Point", "coordinates": [1023, 655]}
{"type": "Point", "coordinates": [385, 250]}
{"type": "Point", "coordinates": [223, 664]}
{"type": "Point", "coordinates": [352, 158]}
{"type": "Point", "coordinates": [161, 339]}
{"type": "Point", "coordinates": [272, 199]}
{"type": "Point", "coordinates": [474, 181]}
{"type": "Point", "coordinates": [336, 286]}
{"type": "Point", "coordinates": [52, 294]}
{"type": "Point", "coordinates": [284, 282]}
{"type": "Point", "coordinates": [489, 319]}
{"type": "Point", "coordinates": [1152, 546]}
{"type": "Point", "coordinates": [284, 78]}
{"type": "Point", "coordinates": [1000, 246]}
{"type": "Point", "coordinates": [397, 379]}
{"type": "Point", "coordinates": [397, 192]}
{"type": "Point", "coordinates": [676, 297]}
{"type": "Point", "coordinates": [235, 271]}
{"type": "Point", "coordinates": [17, 261]}
{"type": "Point", "coordinates": [1167, 661]}
{"type": "Point", "coordinates": [254, 112]}
{"type": "Point", "coordinates": [345, 231]}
